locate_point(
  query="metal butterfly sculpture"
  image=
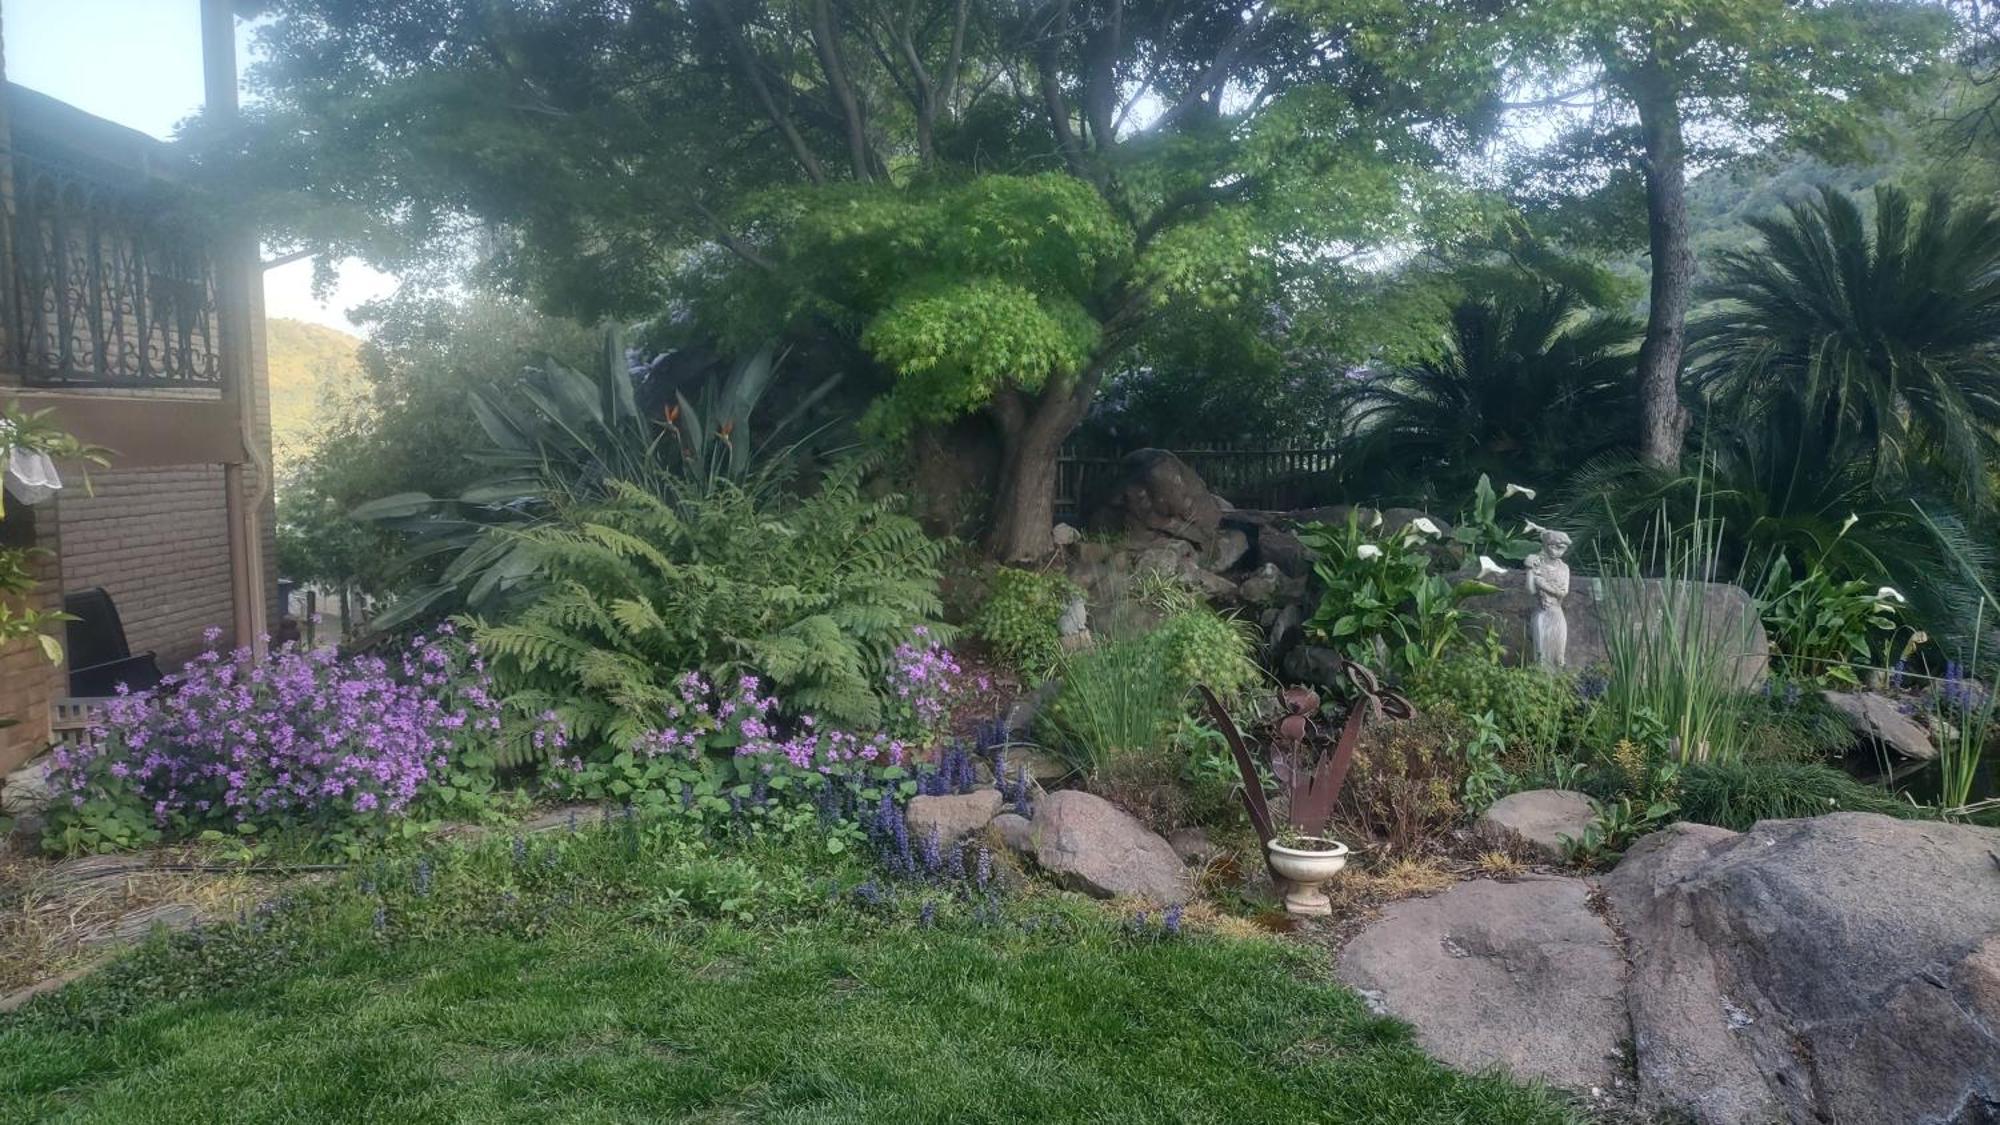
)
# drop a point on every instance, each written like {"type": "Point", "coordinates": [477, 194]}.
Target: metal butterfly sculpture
{"type": "Point", "coordinates": [1310, 774]}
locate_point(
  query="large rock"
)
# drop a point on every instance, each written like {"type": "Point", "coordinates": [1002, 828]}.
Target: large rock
{"type": "Point", "coordinates": [1842, 968]}
{"type": "Point", "coordinates": [1727, 614]}
{"type": "Point", "coordinates": [1156, 494]}
{"type": "Point", "coordinates": [1522, 975]}
{"type": "Point", "coordinates": [1537, 819]}
{"type": "Point", "coordinates": [1091, 845]}
{"type": "Point", "coordinates": [1311, 664]}
{"type": "Point", "coordinates": [1876, 718]}
{"type": "Point", "coordinates": [952, 817]}
{"type": "Point", "coordinates": [27, 790]}
{"type": "Point", "coordinates": [1229, 548]}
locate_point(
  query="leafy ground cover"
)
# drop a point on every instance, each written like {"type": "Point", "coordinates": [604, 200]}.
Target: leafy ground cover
{"type": "Point", "coordinates": [635, 972]}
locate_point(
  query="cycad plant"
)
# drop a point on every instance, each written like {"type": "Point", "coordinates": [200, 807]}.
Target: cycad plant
{"type": "Point", "coordinates": [1881, 332]}
{"type": "Point", "coordinates": [1786, 498]}
{"type": "Point", "coordinates": [559, 438]}
{"type": "Point", "coordinates": [1524, 389]}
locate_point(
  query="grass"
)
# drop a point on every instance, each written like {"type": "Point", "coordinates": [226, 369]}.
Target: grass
{"type": "Point", "coordinates": [639, 975]}
{"type": "Point", "coordinates": [1737, 795]}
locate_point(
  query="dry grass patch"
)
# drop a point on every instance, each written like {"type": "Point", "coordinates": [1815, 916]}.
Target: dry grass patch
{"type": "Point", "coordinates": [59, 915]}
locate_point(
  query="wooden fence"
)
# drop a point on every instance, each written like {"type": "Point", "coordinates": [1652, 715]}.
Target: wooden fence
{"type": "Point", "coordinates": [1248, 478]}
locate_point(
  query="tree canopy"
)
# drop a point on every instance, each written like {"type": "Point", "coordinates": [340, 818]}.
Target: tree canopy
{"type": "Point", "coordinates": [997, 201]}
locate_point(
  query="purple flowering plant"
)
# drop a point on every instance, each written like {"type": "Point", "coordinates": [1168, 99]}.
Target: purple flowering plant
{"type": "Point", "coordinates": [924, 682]}
{"type": "Point", "coordinates": [300, 739]}
{"type": "Point", "coordinates": [727, 752]}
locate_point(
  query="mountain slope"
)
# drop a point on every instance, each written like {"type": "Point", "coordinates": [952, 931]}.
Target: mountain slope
{"type": "Point", "coordinates": [315, 371]}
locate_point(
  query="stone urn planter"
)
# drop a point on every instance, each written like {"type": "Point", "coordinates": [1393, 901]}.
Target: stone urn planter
{"type": "Point", "coordinates": [1305, 864]}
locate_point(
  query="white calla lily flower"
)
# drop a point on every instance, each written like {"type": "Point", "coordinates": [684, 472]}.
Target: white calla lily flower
{"type": "Point", "coordinates": [1850, 521]}
{"type": "Point", "coordinates": [1490, 569]}
{"type": "Point", "coordinates": [1532, 528]}
{"type": "Point", "coordinates": [1517, 490]}
{"type": "Point", "coordinates": [1891, 594]}
{"type": "Point", "coordinates": [1423, 525]}
{"type": "Point", "coordinates": [1368, 551]}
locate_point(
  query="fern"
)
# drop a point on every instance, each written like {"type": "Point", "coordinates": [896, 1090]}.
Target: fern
{"type": "Point", "coordinates": [814, 594]}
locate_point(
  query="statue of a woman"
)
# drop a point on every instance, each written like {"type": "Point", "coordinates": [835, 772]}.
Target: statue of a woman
{"type": "Point", "coordinates": [1548, 584]}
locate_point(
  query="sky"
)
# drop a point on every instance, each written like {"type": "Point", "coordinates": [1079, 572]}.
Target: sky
{"type": "Point", "coordinates": [138, 62]}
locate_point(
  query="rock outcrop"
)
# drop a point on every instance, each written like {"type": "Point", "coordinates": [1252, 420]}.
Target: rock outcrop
{"type": "Point", "coordinates": [1523, 975]}
{"type": "Point", "coordinates": [1157, 495]}
{"type": "Point", "coordinates": [1537, 820]}
{"type": "Point", "coordinates": [952, 817]}
{"type": "Point", "coordinates": [1876, 718]}
{"type": "Point", "coordinates": [1841, 968]}
{"type": "Point", "coordinates": [1088, 844]}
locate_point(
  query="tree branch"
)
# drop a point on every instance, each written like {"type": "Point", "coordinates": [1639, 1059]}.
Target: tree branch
{"type": "Point", "coordinates": [1218, 73]}
{"type": "Point", "coordinates": [835, 70]}
{"type": "Point", "coordinates": [746, 61]}
{"type": "Point", "coordinates": [1048, 65]}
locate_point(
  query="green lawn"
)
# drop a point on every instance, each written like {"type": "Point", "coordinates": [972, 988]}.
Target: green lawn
{"type": "Point", "coordinates": [591, 986]}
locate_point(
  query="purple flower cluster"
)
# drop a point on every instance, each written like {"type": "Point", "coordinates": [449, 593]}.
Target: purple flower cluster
{"type": "Point", "coordinates": [924, 681]}
{"type": "Point", "coordinates": [826, 751]}
{"type": "Point", "coordinates": [744, 721]}
{"type": "Point", "coordinates": [297, 736]}
{"type": "Point", "coordinates": [702, 717]}
{"type": "Point", "coordinates": [1958, 695]}
{"type": "Point", "coordinates": [954, 771]}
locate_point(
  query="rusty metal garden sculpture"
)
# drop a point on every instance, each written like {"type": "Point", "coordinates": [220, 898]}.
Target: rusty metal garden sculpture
{"type": "Point", "coordinates": [1310, 775]}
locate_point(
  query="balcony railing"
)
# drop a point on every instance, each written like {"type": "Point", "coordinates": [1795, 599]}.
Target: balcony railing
{"type": "Point", "coordinates": [110, 281]}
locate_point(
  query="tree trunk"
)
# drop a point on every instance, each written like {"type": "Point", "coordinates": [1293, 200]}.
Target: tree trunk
{"type": "Point", "coordinates": [1032, 432]}
{"type": "Point", "coordinates": [1663, 420]}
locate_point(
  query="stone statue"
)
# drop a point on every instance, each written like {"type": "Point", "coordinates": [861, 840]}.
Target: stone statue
{"type": "Point", "coordinates": [1548, 584]}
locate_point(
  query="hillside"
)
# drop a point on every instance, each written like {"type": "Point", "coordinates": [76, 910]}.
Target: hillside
{"type": "Point", "coordinates": [314, 370]}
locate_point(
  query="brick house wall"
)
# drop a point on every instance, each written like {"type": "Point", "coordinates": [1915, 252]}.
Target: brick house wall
{"type": "Point", "coordinates": [158, 541]}
{"type": "Point", "coordinates": [27, 682]}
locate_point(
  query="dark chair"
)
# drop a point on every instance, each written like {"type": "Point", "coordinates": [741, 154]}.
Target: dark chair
{"type": "Point", "coordinates": [99, 656]}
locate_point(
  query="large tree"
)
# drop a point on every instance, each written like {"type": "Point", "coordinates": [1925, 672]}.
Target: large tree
{"type": "Point", "coordinates": [996, 199]}
{"type": "Point", "coordinates": [1709, 79]}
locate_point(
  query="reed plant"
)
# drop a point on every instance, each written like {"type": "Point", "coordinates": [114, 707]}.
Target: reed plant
{"type": "Point", "coordinates": [1675, 657]}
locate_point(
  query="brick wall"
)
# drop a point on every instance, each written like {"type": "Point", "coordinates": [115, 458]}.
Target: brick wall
{"type": "Point", "coordinates": [158, 540]}
{"type": "Point", "coordinates": [27, 680]}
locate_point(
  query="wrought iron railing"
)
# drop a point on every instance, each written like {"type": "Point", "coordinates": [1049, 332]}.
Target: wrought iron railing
{"type": "Point", "coordinates": [110, 282]}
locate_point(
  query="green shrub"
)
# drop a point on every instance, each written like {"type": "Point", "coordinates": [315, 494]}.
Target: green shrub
{"type": "Point", "coordinates": [1789, 723]}
{"type": "Point", "coordinates": [1123, 695]}
{"type": "Point", "coordinates": [1200, 646]}
{"type": "Point", "coordinates": [1534, 712]}
{"type": "Point", "coordinates": [1739, 794]}
{"type": "Point", "coordinates": [1823, 628]}
{"type": "Point", "coordinates": [1380, 594]}
{"type": "Point", "coordinates": [813, 595]}
{"type": "Point", "coordinates": [1022, 617]}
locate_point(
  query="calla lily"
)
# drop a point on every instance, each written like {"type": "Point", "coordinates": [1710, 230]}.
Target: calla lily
{"type": "Point", "coordinates": [1513, 490]}
{"type": "Point", "coordinates": [1424, 525]}
{"type": "Point", "coordinates": [1891, 594]}
{"type": "Point", "coordinates": [1368, 551]}
{"type": "Point", "coordinates": [1377, 520]}
{"type": "Point", "coordinates": [1490, 569]}
{"type": "Point", "coordinates": [1850, 521]}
